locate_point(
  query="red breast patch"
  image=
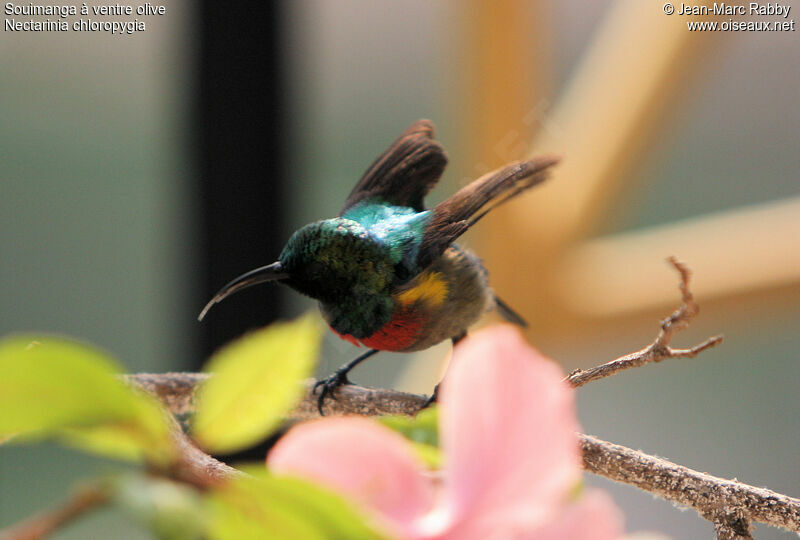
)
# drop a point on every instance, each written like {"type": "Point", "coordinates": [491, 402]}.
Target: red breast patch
{"type": "Point", "coordinates": [398, 334]}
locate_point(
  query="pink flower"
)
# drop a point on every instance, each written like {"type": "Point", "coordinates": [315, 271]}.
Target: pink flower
{"type": "Point", "coordinates": [507, 429]}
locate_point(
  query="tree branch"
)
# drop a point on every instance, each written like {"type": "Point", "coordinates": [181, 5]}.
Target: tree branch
{"type": "Point", "coordinates": [730, 505]}
{"type": "Point", "coordinates": [732, 526]}
{"type": "Point", "coordinates": [193, 465]}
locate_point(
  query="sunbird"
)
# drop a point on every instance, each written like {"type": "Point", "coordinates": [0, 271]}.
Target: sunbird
{"type": "Point", "coordinates": [386, 272]}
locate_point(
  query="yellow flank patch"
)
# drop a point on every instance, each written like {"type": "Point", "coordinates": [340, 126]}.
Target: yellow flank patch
{"type": "Point", "coordinates": [431, 288]}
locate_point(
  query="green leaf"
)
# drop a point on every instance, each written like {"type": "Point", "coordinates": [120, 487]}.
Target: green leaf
{"type": "Point", "coordinates": [430, 455]}
{"type": "Point", "coordinates": [422, 431]}
{"type": "Point", "coordinates": [422, 428]}
{"type": "Point", "coordinates": [48, 383]}
{"type": "Point", "coordinates": [265, 506]}
{"type": "Point", "coordinates": [257, 379]}
{"type": "Point", "coordinates": [144, 436]}
{"type": "Point", "coordinates": [54, 387]}
{"type": "Point", "coordinates": [169, 510]}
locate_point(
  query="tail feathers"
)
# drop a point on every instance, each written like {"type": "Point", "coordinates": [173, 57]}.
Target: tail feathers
{"type": "Point", "coordinates": [452, 217]}
{"type": "Point", "coordinates": [509, 314]}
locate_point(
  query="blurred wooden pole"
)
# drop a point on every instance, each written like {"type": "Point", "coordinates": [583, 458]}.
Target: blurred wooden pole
{"type": "Point", "coordinates": [611, 113]}
{"type": "Point", "coordinates": [736, 252]}
{"type": "Point", "coordinates": [616, 103]}
{"type": "Point", "coordinates": [506, 59]}
{"type": "Point", "coordinates": [507, 62]}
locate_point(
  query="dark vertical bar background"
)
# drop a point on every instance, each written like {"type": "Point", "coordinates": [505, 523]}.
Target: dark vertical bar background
{"type": "Point", "coordinates": [240, 122]}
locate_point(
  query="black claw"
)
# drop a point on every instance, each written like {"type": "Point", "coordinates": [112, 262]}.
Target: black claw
{"type": "Point", "coordinates": [339, 377]}
{"type": "Point", "coordinates": [329, 385]}
{"type": "Point", "coordinates": [433, 398]}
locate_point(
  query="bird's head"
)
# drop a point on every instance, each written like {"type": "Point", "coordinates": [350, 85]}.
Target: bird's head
{"type": "Point", "coordinates": [330, 260]}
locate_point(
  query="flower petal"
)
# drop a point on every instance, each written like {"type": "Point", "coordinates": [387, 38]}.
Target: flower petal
{"type": "Point", "coordinates": [593, 517]}
{"type": "Point", "coordinates": [507, 428]}
{"type": "Point", "coordinates": [372, 464]}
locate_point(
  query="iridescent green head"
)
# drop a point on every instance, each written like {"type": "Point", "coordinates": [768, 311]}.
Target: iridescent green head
{"type": "Point", "coordinates": [337, 262]}
{"type": "Point", "coordinates": [336, 259]}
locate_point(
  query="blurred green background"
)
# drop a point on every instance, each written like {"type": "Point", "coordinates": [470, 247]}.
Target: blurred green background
{"type": "Point", "coordinates": [100, 217]}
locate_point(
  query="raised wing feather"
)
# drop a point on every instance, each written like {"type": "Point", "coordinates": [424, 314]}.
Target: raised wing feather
{"type": "Point", "coordinates": [405, 172]}
{"type": "Point", "coordinates": [453, 216]}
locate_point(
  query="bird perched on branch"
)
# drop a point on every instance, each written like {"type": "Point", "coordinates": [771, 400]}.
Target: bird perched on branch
{"type": "Point", "coordinates": [386, 272]}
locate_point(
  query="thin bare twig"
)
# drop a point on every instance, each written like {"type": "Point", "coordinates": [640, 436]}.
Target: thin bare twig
{"type": "Point", "coordinates": [40, 525]}
{"type": "Point", "coordinates": [660, 348]}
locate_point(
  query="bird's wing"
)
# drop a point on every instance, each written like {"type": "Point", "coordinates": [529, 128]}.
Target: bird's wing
{"type": "Point", "coordinates": [453, 216]}
{"type": "Point", "coordinates": [405, 172]}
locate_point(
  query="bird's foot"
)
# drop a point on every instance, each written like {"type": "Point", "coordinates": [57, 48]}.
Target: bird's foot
{"type": "Point", "coordinates": [339, 377]}
{"type": "Point", "coordinates": [328, 386]}
{"type": "Point", "coordinates": [433, 398]}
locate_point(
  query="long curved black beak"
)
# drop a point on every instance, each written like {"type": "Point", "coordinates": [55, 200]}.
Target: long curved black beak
{"type": "Point", "coordinates": [271, 272]}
